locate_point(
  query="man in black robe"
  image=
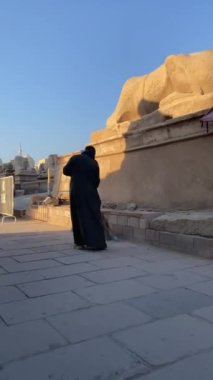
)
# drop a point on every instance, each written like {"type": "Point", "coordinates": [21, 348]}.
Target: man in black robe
{"type": "Point", "coordinates": [85, 202]}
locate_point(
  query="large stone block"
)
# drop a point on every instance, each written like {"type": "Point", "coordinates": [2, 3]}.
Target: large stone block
{"type": "Point", "coordinates": [95, 359]}
{"type": "Point", "coordinates": [38, 308]}
{"type": "Point", "coordinates": [196, 367]}
{"type": "Point", "coordinates": [186, 335]}
{"type": "Point", "coordinates": [96, 321]}
{"type": "Point", "coordinates": [116, 291]}
{"type": "Point", "coordinates": [133, 221]}
{"type": "Point", "coordinates": [152, 235]}
{"type": "Point", "coordinates": [32, 338]}
{"type": "Point", "coordinates": [203, 246]}
{"type": "Point", "coordinates": [167, 238]}
{"type": "Point", "coordinates": [168, 303]}
{"type": "Point", "coordinates": [139, 234]}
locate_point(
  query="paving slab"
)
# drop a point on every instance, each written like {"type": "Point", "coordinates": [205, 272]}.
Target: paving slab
{"type": "Point", "coordinates": [37, 256]}
{"type": "Point", "coordinates": [23, 340]}
{"type": "Point", "coordinates": [120, 311]}
{"type": "Point", "coordinates": [172, 266]}
{"type": "Point", "coordinates": [11, 265]}
{"type": "Point", "coordinates": [15, 252]}
{"type": "Point", "coordinates": [206, 270]}
{"type": "Point", "coordinates": [56, 285]}
{"type": "Point", "coordinates": [117, 262]}
{"type": "Point", "coordinates": [41, 307]}
{"type": "Point", "coordinates": [197, 367]}
{"type": "Point", "coordinates": [205, 313]}
{"type": "Point", "coordinates": [203, 287]}
{"type": "Point", "coordinates": [9, 294]}
{"type": "Point", "coordinates": [115, 274]}
{"type": "Point", "coordinates": [153, 254]}
{"type": "Point", "coordinates": [172, 280]}
{"type": "Point", "coordinates": [2, 323]}
{"type": "Point", "coordinates": [52, 248]}
{"type": "Point", "coordinates": [66, 270]}
{"type": "Point", "coordinates": [19, 278]}
{"type": "Point", "coordinates": [78, 257]}
{"type": "Point", "coordinates": [169, 303]}
{"type": "Point", "coordinates": [116, 291]}
{"type": "Point", "coordinates": [168, 340]}
{"type": "Point", "coordinates": [86, 324]}
{"type": "Point", "coordinates": [100, 358]}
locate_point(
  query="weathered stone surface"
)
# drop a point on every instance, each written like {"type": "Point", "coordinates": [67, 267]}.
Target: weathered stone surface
{"type": "Point", "coordinates": [2, 324]}
{"type": "Point", "coordinates": [115, 274]}
{"type": "Point", "coordinates": [172, 280]}
{"type": "Point", "coordinates": [30, 309]}
{"type": "Point", "coordinates": [9, 294]}
{"type": "Point", "coordinates": [38, 256]}
{"type": "Point", "coordinates": [66, 270]}
{"type": "Point", "coordinates": [113, 262]}
{"type": "Point", "coordinates": [78, 258]}
{"type": "Point", "coordinates": [12, 266]}
{"type": "Point", "coordinates": [32, 331]}
{"type": "Point", "coordinates": [167, 239]}
{"type": "Point", "coordinates": [56, 285]}
{"type": "Point", "coordinates": [139, 235]}
{"type": "Point", "coordinates": [170, 302]}
{"type": "Point", "coordinates": [96, 359]}
{"type": "Point", "coordinates": [205, 313]}
{"type": "Point", "coordinates": [19, 278]}
{"type": "Point", "coordinates": [197, 367]}
{"type": "Point", "coordinates": [182, 85]}
{"type": "Point", "coordinates": [168, 340]}
{"type": "Point", "coordinates": [185, 222]}
{"type": "Point", "coordinates": [205, 270]}
{"type": "Point", "coordinates": [100, 320]}
{"type": "Point", "coordinates": [32, 337]}
{"type": "Point", "coordinates": [116, 291]}
{"type": "Point", "coordinates": [203, 287]}
{"type": "Point", "coordinates": [152, 235]}
{"type": "Point", "coordinates": [170, 266]}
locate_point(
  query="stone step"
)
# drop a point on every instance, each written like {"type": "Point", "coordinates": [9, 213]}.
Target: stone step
{"type": "Point", "coordinates": [186, 231]}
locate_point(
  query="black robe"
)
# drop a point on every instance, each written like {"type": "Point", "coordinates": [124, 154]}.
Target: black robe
{"type": "Point", "coordinates": [85, 201]}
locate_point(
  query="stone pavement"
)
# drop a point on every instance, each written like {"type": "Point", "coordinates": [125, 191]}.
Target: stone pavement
{"type": "Point", "coordinates": [131, 312]}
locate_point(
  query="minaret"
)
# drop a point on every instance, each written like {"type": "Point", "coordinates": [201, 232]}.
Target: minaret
{"type": "Point", "coordinates": [20, 150]}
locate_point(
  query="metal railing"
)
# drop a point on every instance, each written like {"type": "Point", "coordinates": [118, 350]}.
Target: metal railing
{"type": "Point", "coordinates": [7, 198]}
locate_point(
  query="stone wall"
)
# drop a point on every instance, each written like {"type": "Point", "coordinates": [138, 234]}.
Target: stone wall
{"type": "Point", "coordinates": [32, 187]}
{"type": "Point", "coordinates": [186, 232]}
{"type": "Point", "coordinates": [61, 184]}
{"type": "Point", "coordinates": [59, 216]}
{"type": "Point", "coordinates": [166, 166]}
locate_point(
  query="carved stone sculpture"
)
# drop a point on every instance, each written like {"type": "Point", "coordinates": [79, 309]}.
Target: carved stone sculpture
{"type": "Point", "coordinates": [183, 84]}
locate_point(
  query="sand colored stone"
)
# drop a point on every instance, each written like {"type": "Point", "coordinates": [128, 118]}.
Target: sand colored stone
{"type": "Point", "coordinates": [183, 84]}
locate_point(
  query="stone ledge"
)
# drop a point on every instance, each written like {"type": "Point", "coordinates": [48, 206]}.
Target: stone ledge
{"type": "Point", "coordinates": [125, 225]}
{"type": "Point", "coordinates": [137, 136]}
{"type": "Point", "coordinates": [59, 216]}
{"type": "Point", "coordinates": [138, 226]}
{"type": "Point", "coordinates": [145, 214]}
{"type": "Point", "coordinates": [185, 222]}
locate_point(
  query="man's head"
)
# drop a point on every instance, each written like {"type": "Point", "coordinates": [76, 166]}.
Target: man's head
{"type": "Point", "coordinates": [90, 151]}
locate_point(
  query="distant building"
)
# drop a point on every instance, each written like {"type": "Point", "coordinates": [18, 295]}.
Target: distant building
{"type": "Point", "coordinates": [28, 176]}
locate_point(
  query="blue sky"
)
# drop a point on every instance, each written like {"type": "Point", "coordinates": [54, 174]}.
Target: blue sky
{"type": "Point", "coordinates": [63, 63]}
